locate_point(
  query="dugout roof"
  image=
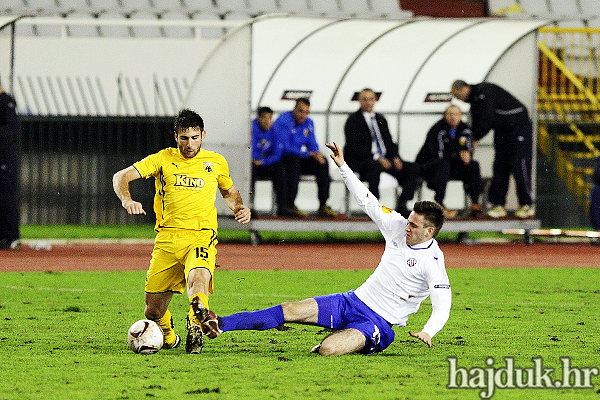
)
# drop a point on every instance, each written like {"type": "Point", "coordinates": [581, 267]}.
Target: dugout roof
{"type": "Point", "coordinates": [412, 63]}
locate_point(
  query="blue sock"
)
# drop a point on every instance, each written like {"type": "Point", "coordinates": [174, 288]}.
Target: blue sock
{"type": "Point", "coordinates": [254, 320]}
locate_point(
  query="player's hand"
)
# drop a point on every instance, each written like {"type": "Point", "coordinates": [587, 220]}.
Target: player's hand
{"type": "Point", "coordinates": [423, 336]}
{"type": "Point", "coordinates": [242, 214]}
{"type": "Point", "coordinates": [133, 207]}
{"type": "Point", "coordinates": [465, 156]}
{"type": "Point", "coordinates": [398, 164]}
{"type": "Point", "coordinates": [385, 163]}
{"type": "Point", "coordinates": [318, 156]}
{"type": "Point", "coordinates": [336, 156]}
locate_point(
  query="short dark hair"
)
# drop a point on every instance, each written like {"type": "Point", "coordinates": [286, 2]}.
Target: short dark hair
{"type": "Point", "coordinates": [432, 212]}
{"type": "Point", "coordinates": [459, 84]}
{"type": "Point", "coordinates": [264, 110]}
{"type": "Point", "coordinates": [188, 119]}
{"type": "Point", "coordinates": [303, 100]}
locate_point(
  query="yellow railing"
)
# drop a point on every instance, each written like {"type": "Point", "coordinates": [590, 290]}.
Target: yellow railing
{"type": "Point", "coordinates": [578, 50]}
{"type": "Point", "coordinates": [569, 93]}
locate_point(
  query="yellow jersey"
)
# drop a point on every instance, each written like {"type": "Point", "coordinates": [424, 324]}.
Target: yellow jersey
{"type": "Point", "coordinates": [185, 187]}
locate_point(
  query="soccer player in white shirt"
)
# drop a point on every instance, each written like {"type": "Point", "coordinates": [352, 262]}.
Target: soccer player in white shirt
{"type": "Point", "coordinates": [411, 268]}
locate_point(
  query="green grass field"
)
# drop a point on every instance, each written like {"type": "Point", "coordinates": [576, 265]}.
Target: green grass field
{"type": "Point", "coordinates": [225, 236]}
{"type": "Point", "coordinates": [62, 336]}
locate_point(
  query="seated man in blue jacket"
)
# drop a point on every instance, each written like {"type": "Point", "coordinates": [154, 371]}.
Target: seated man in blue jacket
{"type": "Point", "coordinates": [267, 150]}
{"type": "Point", "coordinates": [301, 156]}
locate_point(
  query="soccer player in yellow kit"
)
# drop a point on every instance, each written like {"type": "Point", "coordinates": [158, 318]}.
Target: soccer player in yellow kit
{"type": "Point", "coordinates": [186, 180]}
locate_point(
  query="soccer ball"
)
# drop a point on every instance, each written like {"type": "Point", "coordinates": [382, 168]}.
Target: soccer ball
{"type": "Point", "coordinates": [145, 337]}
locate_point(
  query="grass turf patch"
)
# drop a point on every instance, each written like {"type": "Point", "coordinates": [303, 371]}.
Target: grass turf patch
{"type": "Point", "coordinates": [62, 335]}
{"type": "Point", "coordinates": [145, 231]}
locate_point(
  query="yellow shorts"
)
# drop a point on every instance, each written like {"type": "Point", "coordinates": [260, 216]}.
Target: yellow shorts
{"type": "Point", "coordinates": [175, 254]}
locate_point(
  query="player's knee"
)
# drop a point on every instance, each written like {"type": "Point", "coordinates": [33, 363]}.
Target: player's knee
{"type": "Point", "coordinates": [152, 313]}
{"type": "Point", "coordinates": [328, 350]}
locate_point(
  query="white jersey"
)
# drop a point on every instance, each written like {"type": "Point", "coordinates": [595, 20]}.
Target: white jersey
{"type": "Point", "coordinates": [406, 275]}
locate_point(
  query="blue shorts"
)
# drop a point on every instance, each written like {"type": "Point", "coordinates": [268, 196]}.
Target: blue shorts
{"type": "Point", "coordinates": [345, 310]}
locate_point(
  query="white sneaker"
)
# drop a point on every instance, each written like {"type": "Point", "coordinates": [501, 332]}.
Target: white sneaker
{"type": "Point", "coordinates": [496, 212]}
{"type": "Point", "coordinates": [525, 211]}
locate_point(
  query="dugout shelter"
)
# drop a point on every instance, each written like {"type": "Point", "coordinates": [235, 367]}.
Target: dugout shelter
{"type": "Point", "coordinates": [272, 60]}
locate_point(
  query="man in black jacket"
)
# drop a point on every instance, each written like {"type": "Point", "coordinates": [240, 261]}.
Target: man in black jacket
{"type": "Point", "coordinates": [9, 205]}
{"type": "Point", "coordinates": [369, 150]}
{"type": "Point", "coordinates": [447, 154]}
{"type": "Point", "coordinates": [492, 107]}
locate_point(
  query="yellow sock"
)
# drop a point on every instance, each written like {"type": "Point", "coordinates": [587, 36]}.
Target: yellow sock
{"type": "Point", "coordinates": [166, 324]}
{"type": "Point", "coordinates": [191, 316]}
{"type": "Point", "coordinates": [203, 298]}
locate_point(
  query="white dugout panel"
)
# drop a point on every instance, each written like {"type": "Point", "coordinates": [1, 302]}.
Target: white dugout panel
{"type": "Point", "coordinates": [331, 60]}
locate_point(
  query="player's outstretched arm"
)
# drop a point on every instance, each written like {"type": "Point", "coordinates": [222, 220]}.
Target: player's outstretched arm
{"type": "Point", "coordinates": [121, 181]}
{"type": "Point", "coordinates": [234, 202]}
{"type": "Point", "coordinates": [336, 155]}
{"type": "Point", "coordinates": [423, 336]}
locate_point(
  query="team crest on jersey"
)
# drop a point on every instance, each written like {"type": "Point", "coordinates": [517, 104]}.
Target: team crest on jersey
{"type": "Point", "coordinates": [208, 167]}
{"type": "Point", "coordinates": [306, 132]}
{"type": "Point", "coordinates": [411, 262]}
{"type": "Point", "coordinates": [462, 141]}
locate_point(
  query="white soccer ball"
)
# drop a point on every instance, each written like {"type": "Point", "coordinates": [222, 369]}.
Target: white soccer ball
{"type": "Point", "coordinates": [145, 337]}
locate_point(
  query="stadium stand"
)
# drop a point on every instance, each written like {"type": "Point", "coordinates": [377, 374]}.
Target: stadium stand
{"type": "Point", "coordinates": [356, 8]}
{"type": "Point", "coordinates": [82, 30]}
{"type": "Point", "coordinates": [589, 7]}
{"type": "Point", "coordinates": [145, 31]}
{"type": "Point", "coordinates": [260, 7]}
{"type": "Point", "coordinates": [110, 30]}
{"type": "Point", "coordinates": [564, 8]}
{"type": "Point", "coordinates": [176, 31]}
{"type": "Point", "coordinates": [133, 6]}
{"type": "Point", "coordinates": [58, 94]}
{"type": "Point", "coordinates": [209, 9]}
{"type": "Point", "coordinates": [329, 8]}
{"type": "Point", "coordinates": [502, 7]}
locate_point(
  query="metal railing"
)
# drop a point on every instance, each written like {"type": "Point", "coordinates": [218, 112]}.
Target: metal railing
{"type": "Point", "coordinates": [66, 165]}
{"type": "Point", "coordinates": [569, 104]}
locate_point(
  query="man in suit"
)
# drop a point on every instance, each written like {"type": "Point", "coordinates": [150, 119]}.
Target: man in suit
{"type": "Point", "coordinates": [369, 150]}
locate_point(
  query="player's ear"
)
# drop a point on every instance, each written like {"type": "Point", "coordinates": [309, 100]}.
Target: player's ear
{"type": "Point", "coordinates": [430, 230]}
{"type": "Point", "coordinates": [175, 134]}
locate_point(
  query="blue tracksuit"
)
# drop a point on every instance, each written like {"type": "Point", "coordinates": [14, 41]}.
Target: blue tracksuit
{"type": "Point", "coordinates": [297, 139]}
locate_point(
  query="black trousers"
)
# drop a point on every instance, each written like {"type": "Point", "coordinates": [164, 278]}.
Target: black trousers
{"type": "Point", "coordinates": [438, 172]}
{"type": "Point", "coordinates": [9, 205]}
{"type": "Point", "coordinates": [294, 166]}
{"type": "Point", "coordinates": [513, 153]}
{"type": "Point", "coordinates": [408, 178]}
{"type": "Point", "coordinates": [276, 173]}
